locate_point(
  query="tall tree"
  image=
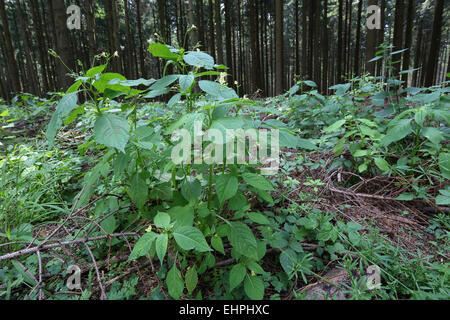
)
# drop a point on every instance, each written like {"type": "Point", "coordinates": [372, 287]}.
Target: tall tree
{"type": "Point", "coordinates": [212, 39]}
{"type": "Point", "coordinates": [219, 37]}
{"type": "Point", "coordinates": [279, 47]}
{"type": "Point", "coordinates": [89, 7]}
{"type": "Point", "coordinates": [228, 41]}
{"type": "Point", "coordinates": [131, 58]}
{"type": "Point", "coordinates": [256, 74]}
{"type": "Point", "coordinates": [340, 41]}
{"type": "Point", "coordinates": [408, 39]}
{"type": "Point", "coordinates": [325, 47]}
{"type": "Point", "coordinates": [371, 45]}
{"type": "Point", "coordinates": [305, 47]}
{"type": "Point", "coordinates": [201, 26]}
{"type": "Point", "coordinates": [33, 83]}
{"type": "Point", "coordinates": [62, 43]}
{"type": "Point", "coordinates": [435, 43]}
{"type": "Point", "coordinates": [141, 38]}
{"type": "Point", "coordinates": [12, 67]}
{"type": "Point", "coordinates": [356, 64]}
{"type": "Point", "coordinates": [113, 33]}
{"type": "Point", "coordinates": [398, 34]}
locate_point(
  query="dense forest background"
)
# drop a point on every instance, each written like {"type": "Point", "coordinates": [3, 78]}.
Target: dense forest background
{"type": "Point", "coordinates": [267, 44]}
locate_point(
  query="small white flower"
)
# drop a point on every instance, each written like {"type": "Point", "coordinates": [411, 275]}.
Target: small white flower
{"type": "Point", "coordinates": [116, 54]}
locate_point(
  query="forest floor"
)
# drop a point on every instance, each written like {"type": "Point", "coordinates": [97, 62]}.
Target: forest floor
{"type": "Point", "coordinates": [370, 202]}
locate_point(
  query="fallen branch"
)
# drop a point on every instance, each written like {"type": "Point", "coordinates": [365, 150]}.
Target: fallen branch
{"type": "Point", "coordinates": [60, 244]}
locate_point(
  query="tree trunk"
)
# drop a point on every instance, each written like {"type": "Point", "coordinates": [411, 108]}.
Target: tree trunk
{"type": "Point", "coordinates": [304, 39]}
{"type": "Point", "coordinates": [12, 67]}
{"type": "Point", "coordinates": [201, 27]}
{"type": "Point", "coordinates": [371, 45]}
{"type": "Point", "coordinates": [219, 38]}
{"type": "Point", "coordinates": [325, 48]}
{"type": "Point", "coordinates": [62, 43]}
{"type": "Point", "coordinates": [130, 43]}
{"type": "Point", "coordinates": [89, 6]}
{"type": "Point", "coordinates": [340, 40]}
{"type": "Point", "coordinates": [256, 72]}
{"type": "Point", "coordinates": [297, 40]}
{"type": "Point", "coordinates": [408, 39]}
{"type": "Point", "coordinates": [141, 39]}
{"type": "Point", "coordinates": [212, 40]}
{"type": "Point", "coordinates": [398, 34]}
{"type": "Point", "coordinates": [435, 43]}
{"type": "Point", "coordinates": [356, 69]}
{"type": "Point", "coordinates": [113, 34]}
{"type": "Point", "coordinates": [279, 47]}
{"type": "Point", "coordinates": [228, 5]}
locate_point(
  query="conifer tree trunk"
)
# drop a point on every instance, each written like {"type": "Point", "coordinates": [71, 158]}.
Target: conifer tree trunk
{"type": "Point", "coordinates": [12, 67]}
{"type": "Point", "coordinates": [279, 47]}
{"type": "Point", "coordinates": [408, 39]}
{"type": "Point", "coordinates": [219, 38]}
{"type": "Point", "coordinates": [435, 44]}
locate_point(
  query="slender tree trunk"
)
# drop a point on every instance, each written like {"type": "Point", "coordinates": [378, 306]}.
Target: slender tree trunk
{"type": "Point", "coordinates": [340, 40]}
{"type": "Point", "coordinates": [12, 67]}
{"type": "Point", "coordinates": [371, 46]}
{"type": "Point", "coordinates": [141, 39]}
{"type": "Point", "coordinates": [379, 63]}
{"type": "Point", "coordinates": [212, 41]}
{"type": "Point", "coordinates": [201, 27]}
{"type": "Point", "coordinates": [42, 46]}
{"type": "Point", "coordinates": [228, 6]}
{"type": "Point", "coordinates": [89, 7]}
{"type": "Point", "coordinates": [219, 38]}
{"type": "Point", "coordinates": [398, 33]}
{"type": "Point", "coordinates": [325, 48]}
{"type": "Point", "coordinates": [279, 47]}
{"type": "Point", "coordinates": [62, 43]}
{"type": "Point", "coordinates": [305, 46]}
{"type": "Point", "coordinates": [33, 85]}
{"type": "Point", "coordinates": [113, 33]}
{"type": "Point", "coordinates": [408, 39]}
{"type": "Point", "coordinates": [130, 42]}
{"type": "Point", "coordinates": [356, 66]}
{"type": "Point", "coordinates": [194, 33]}
{"type": "Point", "coordinates": [256, 74]}
{"type": "Point", "coordinates": [297, 39]}
{"type": "Point", "coordinates": [317, 31]}
{"type": "Point", "coordinates": [435, 43]}
{"type": "Point", "coordinates": [418, 54]}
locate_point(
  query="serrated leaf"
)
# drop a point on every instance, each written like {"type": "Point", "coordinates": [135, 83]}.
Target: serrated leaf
{"type": "Point", "coordinates": [254, 287]}
{"type": "Point", "coordinates": [257, 181]}
{"type": "Point", "coordinates": [138, 191]}
{"type": "Point", "coordinates": [189, 238]}
{"type": "Point", "coordinates": [112, 131]}
{"type": "Point", "coordinates": [226, 187]}
{"type": "Point", "coordinates": [243, 240]}
{"type": "Point", "coordinates": [382, 164]}
{"type": "Point", "coordinates": [237, 275]}
{"type": "Point", "coordinates": [162, 51]}
{"type": "Point", "coordinates": [161, 246]}
{"type": "Point", "coordinates": [397, 131]}
{"type": "Point", "coordinates": [162, 220]}
{"type": "Point", "coordinates": [258, 218]}
{"type": "Point", "coordinates": [143, 246]}
{"type": "Point", "coordinates": [186, 82]}
{"type": "Point", "coordinates": [217, 244]}
{"type": "Point", "coordinates": [288, 261]}
{"type": "Point", "coordinates": [199, 59]}
{"type": "Point", "coordinates": [191, 279]}
{"type": "Point", "coordinates": [335, 126]}
{"type": "Point", "coordinates": [175, 283]}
